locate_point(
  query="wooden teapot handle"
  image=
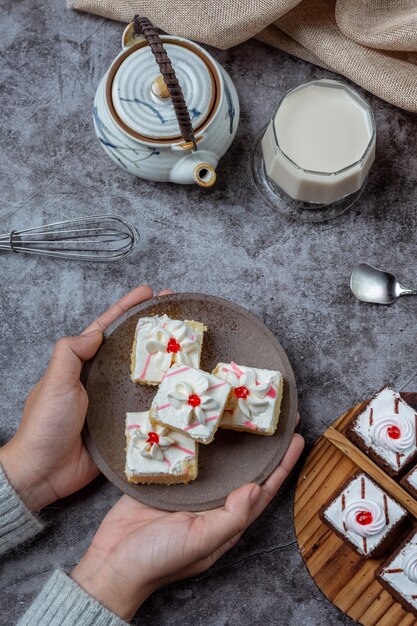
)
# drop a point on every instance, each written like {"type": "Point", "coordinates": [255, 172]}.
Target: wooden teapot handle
{"type": "Point", "coordinates": [142, 26]}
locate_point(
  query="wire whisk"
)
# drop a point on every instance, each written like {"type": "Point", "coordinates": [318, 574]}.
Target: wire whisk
{"type": "Point", "coordinates": [96, 238]}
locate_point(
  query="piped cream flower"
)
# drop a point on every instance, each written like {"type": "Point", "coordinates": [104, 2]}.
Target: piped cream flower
{"type": "Point", "coordinates": [249, 395]}
{"type": "Point", "coordinates": [155, 443]}
{"type": "Point", "coordinates": [171, 341]}
{"type": "Point", "coordinates": [190, 400]}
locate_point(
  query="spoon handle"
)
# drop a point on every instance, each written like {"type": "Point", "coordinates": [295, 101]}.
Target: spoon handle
{"type": "Point", "coordinates": [404, 291]}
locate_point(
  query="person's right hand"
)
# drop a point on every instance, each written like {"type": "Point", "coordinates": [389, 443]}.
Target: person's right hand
{"type": "Point", "coordinates": [138, 549]}
{"type": "Point", "coordinates": [46, 459]}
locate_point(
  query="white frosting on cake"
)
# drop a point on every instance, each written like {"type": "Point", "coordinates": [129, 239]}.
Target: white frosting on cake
{"type": "Point", "coordinates": [161, 342]}
{"type": "Point", "coordinates": [380, 433]}
{"type": "Point", "coordinates": [401, 572]}
{"type": "Point", "coordinates": [356, 509]}
{"type": "Point", "coordinates": [256, 394]}
{"type": "Point", "coordinates": [191, 400]}
{"type": "Point", "coordinates": [362, 497]}
{"type": "Point", "coordinates": [155, 450]}
{"type": "Point", "coordinates": [410, 565]}
{"type": "Point", "coordinates": [388, 426]}
{"type": "Point", "coordinates": [412, 478]}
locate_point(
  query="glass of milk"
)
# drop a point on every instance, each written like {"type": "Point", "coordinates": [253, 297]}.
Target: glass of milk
{"type": "Point", "coordinates": [312, 161]}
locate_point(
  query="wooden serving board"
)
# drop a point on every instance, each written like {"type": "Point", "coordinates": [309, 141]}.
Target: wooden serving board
{"type": "Point", "coordinates": [341, 574]}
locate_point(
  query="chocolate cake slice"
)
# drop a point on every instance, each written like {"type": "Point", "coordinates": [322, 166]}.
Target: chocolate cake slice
{"type": "Point", "coordinates": [385, 430]}
{"type": "Point", "coordinates": [409, 482]}
{"type": "Point", "coordinates": [364, 516]}
{"type": "Point", "coordinates": [399, 574]}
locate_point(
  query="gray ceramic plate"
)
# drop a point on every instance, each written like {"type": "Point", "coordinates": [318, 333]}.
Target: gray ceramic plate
{"type": "Point", "coordinates": [233, 458]}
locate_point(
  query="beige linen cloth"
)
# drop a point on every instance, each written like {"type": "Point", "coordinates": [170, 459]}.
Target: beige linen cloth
{"type": "Point", "coordinates": [371, 42]}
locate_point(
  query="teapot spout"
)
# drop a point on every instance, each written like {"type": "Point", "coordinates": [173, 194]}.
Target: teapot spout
{"type": "Point", "coordinates": [195, 167]}
{"type": "Point", "coordinates": [204, 175]}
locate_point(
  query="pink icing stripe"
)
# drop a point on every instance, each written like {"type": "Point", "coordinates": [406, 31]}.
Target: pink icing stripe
{"type": "Point", "coordinates": [271, 393]}
{"type": "Point", "coordinates": [175, 445]}
{"type": "Point", "coordinates": [210, 419]}
{"type": "Point", "coordinates": [236, 370]}
{"type": "Point", "coordinates": [145, 367]}
{"type": "Point", "coordinates": [217, 386]}
{"type": "Point", "coordinates": [163, 406]}
{"type": "Point", "coordinates": [167, 462]}
{"type": "Point", "coordinates": [132, 426]}
{"type": "Point", "coordinates": [250, 425]}
{"type": "Point", "coordinates": [179, 371]}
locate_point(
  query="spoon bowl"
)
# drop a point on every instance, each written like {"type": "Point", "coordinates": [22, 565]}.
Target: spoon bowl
{"type": "Point", "coordinates": [369, 284]}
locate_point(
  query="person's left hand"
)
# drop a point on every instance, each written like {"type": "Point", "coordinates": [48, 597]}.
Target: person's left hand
{"type": "Point", "coordinates": [138, 548]}
{"type": "Point", "coordinates": [46, 459]}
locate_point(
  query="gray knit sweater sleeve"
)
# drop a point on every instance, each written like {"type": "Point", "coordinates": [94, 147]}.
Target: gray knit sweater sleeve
{"type": "Point", "coordinates": [63, 603]}
{"type": "Point", "coordinates": [17, 524]}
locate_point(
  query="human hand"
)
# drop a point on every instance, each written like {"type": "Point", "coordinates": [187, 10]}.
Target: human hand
{"type": "Point", "coordinates": [138, 549]}
{"type": "Point", "coordinates": [46, 459]}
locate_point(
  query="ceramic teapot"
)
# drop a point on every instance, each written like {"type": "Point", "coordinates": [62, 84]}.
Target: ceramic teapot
{"type": "Point", "coordinates": [161, 124]}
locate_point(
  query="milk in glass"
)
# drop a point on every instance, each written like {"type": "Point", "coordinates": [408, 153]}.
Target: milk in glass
{"type": "Point", "coordinates": [320, 143]}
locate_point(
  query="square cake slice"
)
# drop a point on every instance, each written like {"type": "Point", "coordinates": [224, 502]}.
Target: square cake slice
{"type": "Point", "coordinates": [409, 482]}
{"type": "Point", "coordinates": [155, 454]}
{"type": "Point", "coordinates": [399, 574]}
{"type": "Point", "coordinates": [190, 401]}
{"type": "Point", "coordinates": [161, 342]}
{"type": "Point", "coordinates": [254, 402]}
{"type": "Point", "coordinates": [364, 516]}
{"type": "Point", "coordinates": [385, 430]}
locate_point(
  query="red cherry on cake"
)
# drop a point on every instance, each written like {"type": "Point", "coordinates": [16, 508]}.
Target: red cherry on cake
{"type": "Point", "coordinates": [242, 392]}
{"type": "Point", "coordinates": [173, 345]}
{"type": "Point", "coordinates": [393, 432]}
{"type": "Point", "coordinates": [152, 438]}
{"type": "Point", "coordinates": [364, 518]}
{"type": "Point", "coordinates": [194, 400]}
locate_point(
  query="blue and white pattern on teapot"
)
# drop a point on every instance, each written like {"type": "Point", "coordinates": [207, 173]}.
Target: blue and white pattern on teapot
{"type": "Point", "coordinates": [138, 128]}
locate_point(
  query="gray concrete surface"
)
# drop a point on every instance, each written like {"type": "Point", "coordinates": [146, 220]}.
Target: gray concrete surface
{"type": "Point", "coordinates": [225, 242]}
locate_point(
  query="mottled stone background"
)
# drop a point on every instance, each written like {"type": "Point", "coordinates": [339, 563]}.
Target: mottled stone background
{"type": "Point", "coordinates": [226, 242]}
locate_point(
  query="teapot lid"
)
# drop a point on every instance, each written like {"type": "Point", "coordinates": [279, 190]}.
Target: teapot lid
{"type": "Point", "coordinates": [139, 96]}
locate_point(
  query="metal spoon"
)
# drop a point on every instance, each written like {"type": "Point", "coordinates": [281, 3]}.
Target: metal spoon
{"type": "Point", "coordinates": [371, 285]}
